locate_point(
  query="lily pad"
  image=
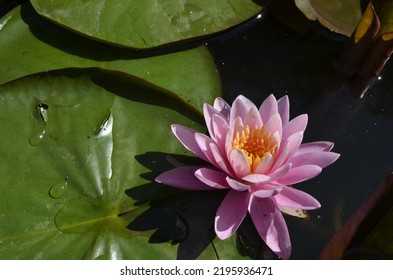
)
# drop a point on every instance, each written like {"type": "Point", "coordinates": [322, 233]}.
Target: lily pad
{"type": "Point", "coordinates": [149, 23]}
{"type": "Point", "coordinates": [68, 157]}
{"type": "Point", "coordinates": [337, 15]}
{"type": "Point", "coordinates": [31, 45]}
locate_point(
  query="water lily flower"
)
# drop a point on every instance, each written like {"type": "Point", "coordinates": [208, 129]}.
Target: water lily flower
{"type": "Point", "coordinates": [257, 154]}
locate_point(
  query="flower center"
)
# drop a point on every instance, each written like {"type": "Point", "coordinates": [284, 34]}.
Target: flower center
{"type": "Point", "coordinates": [255, 145]}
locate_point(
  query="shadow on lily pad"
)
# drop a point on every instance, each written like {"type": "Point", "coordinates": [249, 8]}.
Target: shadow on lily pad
{"type": "Point", "coordinates": [176, 216]}
{"type": "Point", "coordinates": [187, 218]}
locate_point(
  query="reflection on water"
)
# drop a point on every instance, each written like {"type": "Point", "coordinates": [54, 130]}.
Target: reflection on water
{"type": "Point", "coordinates": [271, 58]}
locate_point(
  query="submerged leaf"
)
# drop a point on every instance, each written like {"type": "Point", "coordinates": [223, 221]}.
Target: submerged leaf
{"type": "Point", "coordinates": [357, 231]}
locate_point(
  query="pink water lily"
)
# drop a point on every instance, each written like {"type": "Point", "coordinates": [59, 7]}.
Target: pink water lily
{"type": "Point", "coordinates": [258, 155]}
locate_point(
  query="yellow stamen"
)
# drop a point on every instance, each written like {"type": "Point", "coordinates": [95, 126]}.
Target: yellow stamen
{"type": "Point", "coordinates": [255, 145]}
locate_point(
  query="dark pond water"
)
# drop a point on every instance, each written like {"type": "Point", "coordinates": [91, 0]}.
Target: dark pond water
{"type": "Point", "coordinates": [268, 58]}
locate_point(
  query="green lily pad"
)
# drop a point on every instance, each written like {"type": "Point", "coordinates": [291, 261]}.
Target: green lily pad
{"type": "Point", "coordinates": [337, 15]}
{"type": "Point", "coordinates": [149, 23]}
{"type": "Point", "coordinates": [70, 151]}
{"type": "Point", "coordinates": [31, 45]}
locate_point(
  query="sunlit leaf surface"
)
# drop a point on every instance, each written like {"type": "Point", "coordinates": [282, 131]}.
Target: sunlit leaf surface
{"type": "Point", "coordinates": [148, 23]}
{"type": "Point", "coordinates": [70, 153]}
{"type": "Point", "coordinates": [30, 45]}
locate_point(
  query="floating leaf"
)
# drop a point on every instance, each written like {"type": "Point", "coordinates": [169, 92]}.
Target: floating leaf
{"type": "Point", "coordinates": [148, 23]}
{"type": "Point", "coordinates": [31, 45]}
{"type": "Point", "coordinates": [337, 15]}
{"type": "Point", "coordinates": [68, 157]}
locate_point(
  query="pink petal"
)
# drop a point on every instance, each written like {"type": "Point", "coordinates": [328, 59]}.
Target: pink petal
{"type": "Point", "coordinates": [282, 155]}
{"type": "Point", "coordinates": [182, 178]}
{"type": "Point", "coordinates": [212, 178]}
{"type": "Point", "coordinates": [212, 153]}
{"type": "Point", "coordinates": [239, 163]}
{"type": "Point", "coordinates": [291, 197]}
{"type": "Point", "coordinates": [186, 136]}
{"type": "Point", "coordinates": [236, 185]}
{"type": "Point", "coordinates": [204, 142]}
{"type": "Point", "coordinates": [256, 178]}
{"type": "Point", "coordinates": [297, 124]}
{"type": "Point", "coordinates": [283, 109]}
{"type": "Point", "coordinates": [268, 108]}
{"type": "Point", "coordinates": [280, 172]}
{"type": "Point", "coordinates": [266, 190]}
{"type": "Point", "coordinates": [222, 107]}
{"type": "Point", "coordinates": [265, 164]}
{"type": "Point", "coordinates": [270, 225]}
{"type": "Point", "coordinates": [322, 159]}
{"type": "Point", "coordinates": [231, 213]}
{"type": "Point", "coordinates": [219, 160]}
{"type": "Point", "coordinates": [253, 119]}
{"type": "Point", "coordinates": [220, 130]}
{"type": "Point", "coordinates": [235, 128]}
{"type": "Point", "coordinates": [300, 174]}
{"type": "Point", "coordinates": [274, 125]}
{"type": "Point", "coordinates": [208, 112]}
{"type": "Point", "coordinates": [240, 108]}
{"type": "Point", "coordinates": [319, 146]}
{"type": "Point", "coordinates": [288, 149]}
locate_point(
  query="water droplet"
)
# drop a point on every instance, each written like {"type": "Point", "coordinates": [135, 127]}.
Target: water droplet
{"type": "Point", "coordinates": [42, 109]}
{"type": "Point", "coordinates": [58, 189]}
{"type": "Point", "coordinates": [37, 137]}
